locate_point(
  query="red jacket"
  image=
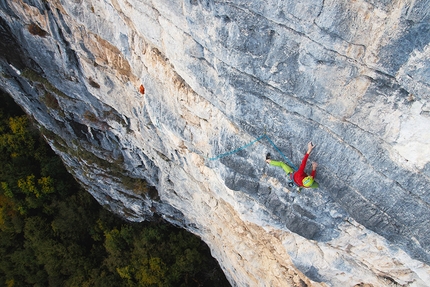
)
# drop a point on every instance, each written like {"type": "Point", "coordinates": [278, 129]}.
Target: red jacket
{"type": "Point", "coordinates": [300, 174]}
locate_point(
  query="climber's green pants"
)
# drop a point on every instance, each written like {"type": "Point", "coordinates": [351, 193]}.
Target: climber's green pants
{"type": "Point", "coordinates": [285, 167]}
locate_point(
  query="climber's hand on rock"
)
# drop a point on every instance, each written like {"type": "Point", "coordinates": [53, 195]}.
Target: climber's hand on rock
{"type": "Point", "coordinates": [314, 165]}
{"type": "Point", "coordinates": [310, 147]}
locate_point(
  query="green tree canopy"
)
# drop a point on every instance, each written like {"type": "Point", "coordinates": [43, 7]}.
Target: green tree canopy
{"type": "Point", "coordinates": [53, 233]}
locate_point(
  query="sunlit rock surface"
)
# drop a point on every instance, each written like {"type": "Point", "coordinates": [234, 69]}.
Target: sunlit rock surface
{"type": "Point", "coordinates": [352, 76]}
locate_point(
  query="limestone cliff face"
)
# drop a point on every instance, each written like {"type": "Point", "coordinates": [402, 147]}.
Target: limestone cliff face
{"type": "Point", "coordinates": [352, 76]}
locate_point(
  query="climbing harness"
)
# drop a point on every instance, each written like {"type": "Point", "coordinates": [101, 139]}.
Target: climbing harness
{"type": "Point", "coordinates": [292, 183]}
{"type": "Point", "coordinates": [251, 143]}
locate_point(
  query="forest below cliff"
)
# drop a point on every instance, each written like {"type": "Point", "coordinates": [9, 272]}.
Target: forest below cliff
{"type": "Point", "coordinates": [53, 233]}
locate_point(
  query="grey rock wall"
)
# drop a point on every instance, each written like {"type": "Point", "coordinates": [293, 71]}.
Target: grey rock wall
{"type": "Point", "coordinates": [353, 77]}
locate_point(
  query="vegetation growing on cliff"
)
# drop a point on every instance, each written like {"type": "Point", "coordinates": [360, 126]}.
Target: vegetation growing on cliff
{"type": "Point", "coordinates": [53, 233]}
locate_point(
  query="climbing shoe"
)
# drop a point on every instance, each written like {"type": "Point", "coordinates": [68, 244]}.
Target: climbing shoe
{"type": "Point", "coordinates": [267, 156]}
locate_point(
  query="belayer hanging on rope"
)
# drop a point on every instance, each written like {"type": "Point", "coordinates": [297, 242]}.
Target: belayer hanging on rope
{"type": "Point", "coordinates": [299, 178]}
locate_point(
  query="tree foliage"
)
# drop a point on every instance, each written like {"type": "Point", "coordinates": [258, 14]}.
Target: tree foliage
{"type": "Point", "coordinates": [53, 233]}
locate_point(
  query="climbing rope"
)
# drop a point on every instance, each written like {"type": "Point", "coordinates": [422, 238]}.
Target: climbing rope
{"type": "Point", "coordinates": [238, 149]}
{"type": "Point", "coordinates": [250, 144]}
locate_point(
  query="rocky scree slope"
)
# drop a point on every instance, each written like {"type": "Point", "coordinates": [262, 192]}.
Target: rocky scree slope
{"type": "Point", "coordinates": [353, 77]}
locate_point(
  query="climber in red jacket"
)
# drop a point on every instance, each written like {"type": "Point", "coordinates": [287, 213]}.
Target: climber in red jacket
{"type": "Point", "coordinates": [300, 178]}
